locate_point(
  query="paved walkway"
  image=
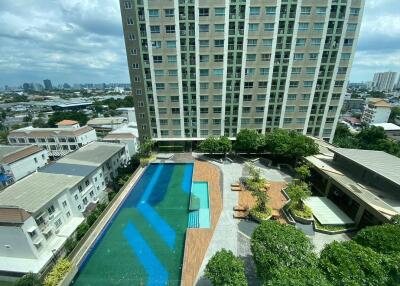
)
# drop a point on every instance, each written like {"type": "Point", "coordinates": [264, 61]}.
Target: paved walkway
{"type": "Point", "coordinates": [226, 232]}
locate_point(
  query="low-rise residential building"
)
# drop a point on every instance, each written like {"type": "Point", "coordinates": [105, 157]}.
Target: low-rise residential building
{"type": "Point", "coordinates": [392, 130]}
{"type": "Point", "coordinates": [364, 184]}
{"type": "Point", "coordinates": [70, 124]}
{"type": "Point", "coordinates": [107, 124]}
{"type": "Point", "coordinates": [377, 110]}
{"type": "Point", "coordinates": [17, 162]}
{"type": "Point", "coordinates": [40, 212]}
{"type": "Point", "coordinates": [57, 141]}
{"type": "Point", "coordinates": [129, 113]}
{"type": "Point", "coordinates": [127, 135]}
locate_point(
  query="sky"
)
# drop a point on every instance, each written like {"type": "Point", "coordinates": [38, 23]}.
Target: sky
{"type": "Point", "coordinates": [78, 41]}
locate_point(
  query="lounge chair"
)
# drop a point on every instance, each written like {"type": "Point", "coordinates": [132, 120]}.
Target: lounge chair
{"type": "Point", "coordinates": [235, 185]}
{"type": "Point", "coordinates": [236, 189]}
{"type": "Point", "coordinates": [240, 208]}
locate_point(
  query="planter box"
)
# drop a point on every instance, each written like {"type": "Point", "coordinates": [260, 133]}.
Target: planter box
{"type": "Point", "coordinates": [260, 220]}
{"type": "Point", "coordinates": [333, 231]}
{"type": "Point", "coordinates": [302, 219]}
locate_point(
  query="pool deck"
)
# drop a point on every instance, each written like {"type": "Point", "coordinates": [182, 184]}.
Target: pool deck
{"type": "Point", "coordinates": [197, 239]}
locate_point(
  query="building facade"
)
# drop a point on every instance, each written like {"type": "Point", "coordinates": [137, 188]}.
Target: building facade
{"type": "Point", "coordinates": [384, 81]}
{"type": "Point", "coordinates": [201, 68]}
{"type": "Point", "coordinates": [376, 110]}
{"type": "Point", "coordinates": [17, 162]}
{"type": "Point", "coordinates": [40, 212]}
{"type": "Point", "coordinates": [57, 141]}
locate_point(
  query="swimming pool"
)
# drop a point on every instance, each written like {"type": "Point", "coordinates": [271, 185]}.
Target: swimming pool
{"type": "Point", "coordinates": [143, 243]}
{"type": "Point", "coordinates": [199, 216]}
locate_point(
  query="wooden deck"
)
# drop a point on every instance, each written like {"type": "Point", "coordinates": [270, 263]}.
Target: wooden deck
{"type": "Point", "coordinates": [276, 199]}
{"type": "Point", "coordinates": [197, 240]}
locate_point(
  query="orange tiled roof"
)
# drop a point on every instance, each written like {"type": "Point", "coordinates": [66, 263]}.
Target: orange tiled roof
{"type": "Point", "coordinates": [67, 122]}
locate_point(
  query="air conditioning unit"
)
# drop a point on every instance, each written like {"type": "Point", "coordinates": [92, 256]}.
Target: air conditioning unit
{"type": "Point", "coordinates": [51, 217]}
{"type": "Point", "coordinates": [57, 231]}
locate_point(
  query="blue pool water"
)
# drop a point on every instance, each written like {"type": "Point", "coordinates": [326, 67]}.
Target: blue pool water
{"type": "Point", "coordinates": [200, 218]}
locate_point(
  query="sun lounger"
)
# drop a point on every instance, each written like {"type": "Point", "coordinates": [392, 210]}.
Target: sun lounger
{"type": "Point", "coordinates": [236, 189]}
{"type": "Point", "coordinates": [240, 208]}
{"type": "Point", "coordinates": [235, 185]}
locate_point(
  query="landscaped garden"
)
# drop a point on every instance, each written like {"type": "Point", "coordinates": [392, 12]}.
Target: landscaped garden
{"type": "Point", "coordinates": [283, 255]}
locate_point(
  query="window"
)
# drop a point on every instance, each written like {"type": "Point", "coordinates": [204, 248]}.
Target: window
{"type": "Point", "coordinates": [318, 26]}
{"type": "Point", "coordinates": [265, 57]}
{"type": "Point", "coordinates": [159, 72]}
{"type": "Point", "coordinates": [172, 72]}
{"type": "Point", "coordinates": [68, 214]}
{"type": "Point", "coordinates": [51, 209]}
{"type": "Point", "coordinates": [267, 42]}
{"type": "Point", "coordinates": [313, 56]}
{"type": "Point", "coordinates": [171, 44]}
{"type": "Point", "coordinates": [131, 37]}
{"type": "Point", "coordinates": [251, 57]}
{"type": "Point", "coordinates": [351, 27]}
{"type": "Point", "coordinates": [270, 10]}
{"type": "Point", "coordinates": [204, 58]}
{"type": "Point", "coordinates": [174, 98]}
{"type": "Point", "coordinates": [254, 11]}
{"type": "Point", "coordinates": [128, 5]}
{"type": "Point", "coordinates": [294, 84]}
{"type": "Point", "coordinates": [157, 59]}
{"type": "Point", "coordinates": [160, 86]}
{"type": "Point", "coordinates": [261, 96]}
{"type": "Point", "coordinates": [170, 29]}
{"type": "Point", "coordinates": [260, 109]}
{"type": "Point", "coordinates": [315, 41]}
{"type": "Point", "coordinates": [300, 42]}
{"type": "Point", "coordinates": [162, 111]}
{"type": "Point", "coordinates": [156, 44]}
{"type": "Point", "coordinates": [203, 85]}
{"type": "Point", "coordinates": [308, 84]}
{"type": "Point", "coordinates": [354, 11]}
{"type": "Point", "coordinates": [321, 10]}
{"type": "Point", "coordinates": [35, 159]}
{"type": "Point", "coordinates": [290, 108]}
{"type": "Point", "coordinates": [217, 85]}
{"type": "Point", "coordinates": [310, 70]}
{"type": "Point", "coordinates": [133, 51]}
{"type": "Point", "coordinates": [218, 72]}
{"type": "Point", "coordinates": [204, 98]}
{"type": "Point", "coordinates": [217, 110]}
{"type": "Point", "coordinates": [204, 72]}
{"type": "Point", "coordinates": [246, 109]}
{"type": "Point", "coordinates": [155, 29]}
{"type": "Point", "coordinates": [204, 43]}
{"type": "Point", "coordinates": [217, 97]}
{"type": "Point", "coordinates": [264, 71]}
{"type": "Point", "coordinates": [247, 97]}
{"type": "Point", "coordinates": [129, 21]}
{"type": "Point", "coordinates": [218, 58]}
{"type": "Point", "coordinates": [348, 42]}
{"type": "Point", "coordinates": [298, 56]}
{"type": "Point", "coordinates": [169, 12]}
{"type": "Point", "coordinates": [250, 71]}
{"type": "Point", "coordinates": [342, 70]}
{"type": "Point", "coordinates": [292, 96]}
{"type": "Point", "coordinates": [76, 197]}
{"type": "Point", "coordinates": [296, 70]}
{"type": "Point", "coordinates": [203, 28]}
{"type": "Point", "coordinates": [154, 13]}
{"type": "Point", "coordinates": [219, 27]}
{"type": "Point", "coordinates": [135, 66]}
{"type": "Point", "coordinates": [85, 200]}
{"type": "Point", "coordinates": [248, 84]}
{"type": "Point", "coordinates": [203, 132]}
{"type": "Point", "coordinates": [58, 223]}
{"type": "Point", "coordinates": [262, 84]}
{"type": "Point", "coordinates": [173, 85]}
{"type": "Point", "coordinates": [251, 42]}
{"type": "Point", "coordinates": [220, 11]}
{"type": "Point", "coordinates": [64, 204]}
{"type": "Point", "coordinates": [303, 26]}
{"type": "Point", "coordinates": [253, 27]}
{"type": "Point", "coordinates": [345, 56]}
{"type": "Point", "coordinates": [171, 59]}
{"type": "Point", "coordinates": [219, 43]}
{"type": "Point", "coordinates": [269, 27]}
{"type": "Point", "coordinates": [203, 12]}
{"type": "Point", "coordinates": [305, 10]}
{"type": "Point", "coordinates": [203, 110]}
{"type": "Point", "coordinates": [163, 122]}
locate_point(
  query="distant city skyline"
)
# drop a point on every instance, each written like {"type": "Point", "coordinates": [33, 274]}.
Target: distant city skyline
{"type": "Point", "coordinates": [81, 41]}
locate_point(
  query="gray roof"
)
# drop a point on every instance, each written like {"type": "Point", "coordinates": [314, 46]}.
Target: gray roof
{"type": "Point", "coordinates": [93, 154]}
{"type": "Point", "coordinates": [68, 169]}
{"type": "Point", "coordinates": [379, 162]}
{"type": "Point", "coordinates": [6, 150]}
{"type": "Point", "coordinates": [106, 120]}
{"type": "Point", "coordinates": [36, 190]}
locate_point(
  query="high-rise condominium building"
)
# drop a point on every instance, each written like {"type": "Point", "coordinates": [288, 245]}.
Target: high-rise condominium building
{"type": "Point", "coordinates": [384, 81]}
{"type": "Point", "coordinates": [213, 67]}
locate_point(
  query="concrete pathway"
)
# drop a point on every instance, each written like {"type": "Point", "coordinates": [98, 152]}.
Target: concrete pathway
{"type": "Point", "coordinates": [226, 232]}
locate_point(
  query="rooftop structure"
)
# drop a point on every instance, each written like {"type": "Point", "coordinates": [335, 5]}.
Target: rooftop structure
{"type": "Point", "coordinates": [377, 110]}
{"type": "Point", "coordinates": [68, 124]}
{"type": "Point", "coordinates": [392, 130]}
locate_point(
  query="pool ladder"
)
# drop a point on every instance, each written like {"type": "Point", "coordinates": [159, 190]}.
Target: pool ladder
{"type": "Point", "coordinates": [193, 219]}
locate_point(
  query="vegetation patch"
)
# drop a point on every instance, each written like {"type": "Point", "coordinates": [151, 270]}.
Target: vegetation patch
{"type": "Point", "coordinates": [332, 228]}
{"type": "Point", "coordinates": [58, 272]}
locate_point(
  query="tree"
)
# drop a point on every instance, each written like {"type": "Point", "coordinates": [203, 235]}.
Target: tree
{"type": "Point", "coordinates": [348, 263]}
{"type": "Point", "coordinates": [79, 116]}
{"type": "Point", "coordinates": [225, 269]}
{"type": "Point", "coordinates": [276, 246]}
{"type": "Point", "coordinates": [298, 192]}
{"type": "Point", "coordinates": [248, 140]}
{"type": "Point", "coordinates": [225, 145]}
{"type": "Point", "coordinates": [303, 172]}
{"type": "Point", "coordinates": [145, 148]}
{"type": "Point", "coordinates": [298, 277]}
{"type": "Point", "coordinates": [70, 244]}
{"type": "Point", "coordinates": [395, 220]}
{"type": "Point", "coordinates": [39, 123]}
{"type": "Point", "coordinates": [381, 238]}
{"type": "Point", "coordinates": [81, 230]}
{"type": "Point", "coordinates": [29, 279]}
{"type": "Point", "coordinates": [394, 114]}
{"type": "Point", "coordinates": [209, 145]}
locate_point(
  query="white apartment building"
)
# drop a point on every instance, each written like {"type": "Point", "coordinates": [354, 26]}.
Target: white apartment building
{"type": "Point", "coordinates": [129, 113]}
{"type": "Point", "coordinates": [17, 162]}
{"type": "Point", "coordinates": [377, 110]}
{"type": "Point", "coordinates": [126, 135]}
{"type": "Point", "coordinates": [214, 67]}
{"type": "Point", "coordinates": [57, 141]}
{"type": "Point", "coordinates": [384, 81]}
{"type": "Point", "coordinates": [40, 212]}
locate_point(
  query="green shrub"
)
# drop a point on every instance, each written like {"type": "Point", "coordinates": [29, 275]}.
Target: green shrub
{"type": "Point", "coordinates": [309, 276]}
{"type": "Point", "coordinates": [348, 263]}
{"type": "Point", "coordinates": [70, 244]}
{"type": "Point", "coordinates": [57, 273]}
{"type": "Point", "coordinates": [258, 215]}
{"type": "Point", "coordinates": [81, 230]}
{"type": "Point", "coordinates": [111, 195]}
{"type": "Point", "coordinates": [29, 279]}
{"type": "Point", "coordinates": [225, 269]}
{"type": "Point", "coordinates": [275, 245]}
{"type": "Point", "coordinates": [395, 220]}
{"type": "Point", "coordinates": [304, 212]}
{"type": "Point", "coordinates": [381, 238]}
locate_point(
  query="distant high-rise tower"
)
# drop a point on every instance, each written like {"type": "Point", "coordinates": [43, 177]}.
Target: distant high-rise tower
{"type": "Point", "coordinates": [384, 81]}
{"type": "Point", "coordinates": [201, 68]}
{"type": "Point", "coordinates": [47, 84]}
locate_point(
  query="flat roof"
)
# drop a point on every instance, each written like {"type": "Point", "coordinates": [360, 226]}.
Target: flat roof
{"type": "Point", "coordinates": [10, 154]}
{"type": "Point", "coordinates": [379, 162]}
{"type": "Point", "coordinates": [42, 132]}
{"type": "Point", "coordinates": [93, 154]}
{"type": "Point", "coordinates": [34, 191]}
{"type": "Point", "coordinates": [326, 212]}
{"type": "Point", "coordinates": [387, 126]}
{"type": "Point", "coordinates": [107, 120]}
{"type": "Point", "coordinates": [68, 169]}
